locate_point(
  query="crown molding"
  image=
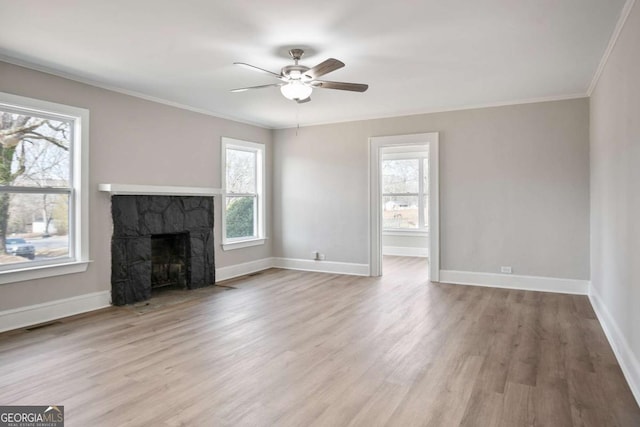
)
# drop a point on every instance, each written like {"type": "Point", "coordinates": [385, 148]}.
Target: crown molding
{"type": "Point", "coordinates": [626, 11]}
{"type": "Point", "coordinates": [75, 78]}
{"type": "Point", "coordinates": [434, 110]}
{"type": "Point", "coordinates": [437, 110]}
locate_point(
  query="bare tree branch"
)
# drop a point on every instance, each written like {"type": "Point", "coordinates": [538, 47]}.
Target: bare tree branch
{"type": "Point", "coordinates": [54, 141]}
{"type": "Point", "coordinates": [62, 128]}
{"type": "Point", "coordinates": [11, 137]}
{"type": "Point", "coordinates": [21, 166]}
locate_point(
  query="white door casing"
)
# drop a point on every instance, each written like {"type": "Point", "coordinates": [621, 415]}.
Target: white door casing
{"type": "Point", "coordinates": [375, 198]}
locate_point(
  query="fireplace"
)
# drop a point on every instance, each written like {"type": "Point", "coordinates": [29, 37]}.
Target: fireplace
{"type": "Point", "coordinates": [160, 241]}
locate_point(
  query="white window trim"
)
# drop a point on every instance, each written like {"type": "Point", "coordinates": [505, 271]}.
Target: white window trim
{"type": "Point", "coordinates": [260, 149]}
{"type": "Point", "coordinates": [79, 221]}
{"type": "Point", "coordinates": [409, 153]}
{"type": "Point", "coordinates": [406, 232]}
{"type": "Point", "coordinates": [239, 244]}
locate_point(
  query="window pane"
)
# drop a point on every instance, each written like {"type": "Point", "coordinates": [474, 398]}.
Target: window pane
{"type": "Point", "coordinates": [426, 212]}
{"type": "Point", "coordinates": [240, 217]}
{"type": "Point", "coordinates": [37, 227]}
{"type": "Point", "coordinates": [400, 212]}
{"type": "Point", "coordinates": [425, 177]}
{"type": "Point", "coordinates": [400, 176]}
{"type": "Point", "coordinates": [35, 151]}
{"type": "Point", "coordinates": [241, 171]}
{"type": "Point", "coordinates": [426, 191]}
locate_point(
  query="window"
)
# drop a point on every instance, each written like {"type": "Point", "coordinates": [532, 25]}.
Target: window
{"type": "Point", "coordinates": [243, 187]}
{"type": "Point", "coordinates": [405, 186]}
{"type": "Point", "coordinates": [43, 205]}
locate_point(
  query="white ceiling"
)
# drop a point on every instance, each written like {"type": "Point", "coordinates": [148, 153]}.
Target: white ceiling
{"type": "Point", "coordinates": [416, 55]}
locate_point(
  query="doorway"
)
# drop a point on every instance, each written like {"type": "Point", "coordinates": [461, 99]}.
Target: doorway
{"type": "Point", "coordinates": [404, 199]}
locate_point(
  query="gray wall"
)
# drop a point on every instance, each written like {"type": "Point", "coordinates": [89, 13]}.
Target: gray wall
{"type": "Point", "coordinates": [615, 193]}
{"type": "Point", "coordinates": [514, 188]}
{"type": "Point", "coordinates": [514, 181]}
{"type": "Point", "coordinates": [132, 141]}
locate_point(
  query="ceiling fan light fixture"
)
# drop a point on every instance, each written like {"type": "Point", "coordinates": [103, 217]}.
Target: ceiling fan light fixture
{"type": "Point", "coordinates": [296, 90]}
{"type": "Point", "coordinates": [298, 81]}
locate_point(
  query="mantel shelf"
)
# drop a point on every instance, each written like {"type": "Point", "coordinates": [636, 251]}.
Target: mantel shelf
{"type": "Point", "coordinates": [157, 190]}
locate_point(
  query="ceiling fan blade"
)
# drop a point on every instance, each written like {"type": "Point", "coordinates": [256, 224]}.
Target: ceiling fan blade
{"type": "Point", "coordinates": [354, 87]}
{"type": "Point", "coordinates": [324, 67]}
{"type": "Point", "coordinates": [260, 70]}
{"type": "Point", "coordinates": [302, 101]}
{"type": "Point", "coordinates": [242, 89]}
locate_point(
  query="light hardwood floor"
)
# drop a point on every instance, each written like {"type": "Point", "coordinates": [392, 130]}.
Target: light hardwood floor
{"type": "Point", "coordinates": [294, 348]}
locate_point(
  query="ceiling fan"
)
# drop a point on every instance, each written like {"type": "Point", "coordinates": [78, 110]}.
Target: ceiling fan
{"type": "Point", "coordinates": [298, 81]}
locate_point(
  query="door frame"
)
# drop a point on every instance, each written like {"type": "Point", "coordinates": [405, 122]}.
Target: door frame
{"type": "Point", "coordinates": [376, 143]}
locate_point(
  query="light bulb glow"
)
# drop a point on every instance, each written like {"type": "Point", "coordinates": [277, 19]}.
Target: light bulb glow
{"type": "Point", "coordinates": [296, 91]}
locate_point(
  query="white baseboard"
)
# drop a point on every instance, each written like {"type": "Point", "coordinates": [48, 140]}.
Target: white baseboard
{"type": "Point", "coordinates": [404, 251]}
{"type": "Point", "coordinates": [322, 266]}
{"type": "Point", "coordinates": [627, 360]}
{"type": "Point", "coordinates": [40, 313]}
{"type": "Point", "coordinates": [237, 270]}
{"type": "Point", "coordinates": [511, 281]}
{"type": "Point", "coordinates": [333, 267]}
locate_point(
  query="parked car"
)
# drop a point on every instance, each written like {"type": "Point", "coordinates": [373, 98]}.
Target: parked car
{"type": "Point", "coordinates": [20, 247]}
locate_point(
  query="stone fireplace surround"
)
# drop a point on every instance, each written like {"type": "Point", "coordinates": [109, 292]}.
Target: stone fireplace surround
{"type": "Point", "coordinates": [136, 218]}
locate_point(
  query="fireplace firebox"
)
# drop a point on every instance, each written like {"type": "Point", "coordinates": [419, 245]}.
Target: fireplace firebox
{"type": "Point", "coordinates": [169, 260]}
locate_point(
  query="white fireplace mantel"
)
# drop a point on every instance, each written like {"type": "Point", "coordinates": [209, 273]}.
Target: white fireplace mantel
{"type": "Point", "coordinates": [157, 190]}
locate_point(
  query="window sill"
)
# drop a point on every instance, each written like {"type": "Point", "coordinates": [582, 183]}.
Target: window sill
{"type": "Point", "coordinates": [43, 271]}
{"type": "Point", "coordinates": [229, 246]}
{"type": "Point", "coordinates": [412, 233]}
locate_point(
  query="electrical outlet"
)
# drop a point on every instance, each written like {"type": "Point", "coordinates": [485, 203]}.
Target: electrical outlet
{"type": "Point", "coordinates": [505, 270]}
{"type": "Point", "coordinates": [320, 257]}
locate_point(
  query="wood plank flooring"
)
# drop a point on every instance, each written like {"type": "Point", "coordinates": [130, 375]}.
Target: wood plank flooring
{"type": "Point", "coordinates": [291, 348]}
